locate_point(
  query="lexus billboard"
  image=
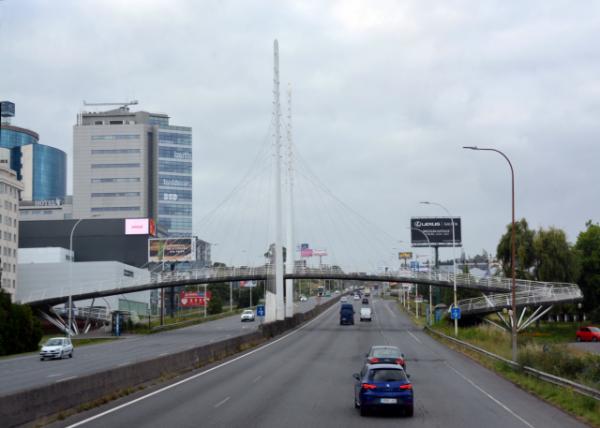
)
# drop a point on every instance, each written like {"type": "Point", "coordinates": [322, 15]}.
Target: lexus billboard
{"type": "Point", "coordinates": [434, 231]}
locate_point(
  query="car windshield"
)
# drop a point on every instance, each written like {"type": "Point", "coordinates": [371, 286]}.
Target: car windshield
{"type": "Point", "coordinates": [248, 311]}
{"type": "Point", "coordinates": [387, 375]}
{"type": "Point", "coordinates": [595, 329]}
{"type": "Point", "coordinates": [385, 352]}
{"type": "Point", "coordinates": [54, 342]}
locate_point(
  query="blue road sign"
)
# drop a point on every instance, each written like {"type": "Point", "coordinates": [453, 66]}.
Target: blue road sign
{"type": "Point", "coordinates": [455, 314]}
{"type": "Point", "coordinates": [260, 310]}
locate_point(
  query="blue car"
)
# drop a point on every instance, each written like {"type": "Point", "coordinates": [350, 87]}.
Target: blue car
{"type": "Point", "coordinates": [383, 386]}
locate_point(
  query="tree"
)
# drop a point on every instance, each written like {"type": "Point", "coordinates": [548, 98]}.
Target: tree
{"type": "Point", "coordinates": [215, 305]}
{"type": "Point", "coordinates": [525, 253]}
{"type": "Point", "coordinates": [555, 259]}
{"type": "Point", "coordinates": [20, 331]}
{"type": "Point", "coordinates": [588, 246]}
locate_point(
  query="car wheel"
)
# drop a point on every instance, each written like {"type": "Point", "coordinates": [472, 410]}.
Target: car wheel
{"type": "Point", "coordinates": [71, 354]}
{"type": "Point", "coordinates": [42, 358]}
{"type": "Point", "coordinates": [578, 339]}
{"type": "Point", "coordinates": [356, 406]}
{"type": "Point", "coordinates": [60, 356]}
{"type": "Point", "coordinates": [363, 411]}
{"type": "Point", "coordinates": [594, 339]}
{"type": "Point", "coordinates": [409, 411]}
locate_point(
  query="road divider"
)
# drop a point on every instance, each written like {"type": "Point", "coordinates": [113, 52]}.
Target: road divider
{"type": "Point", "coordinates": [86, 391]}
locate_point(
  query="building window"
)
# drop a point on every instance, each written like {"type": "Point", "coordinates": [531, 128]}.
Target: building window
{"type": "Point", "coordinates": [114, 194]}
{"type": "Point", "coordinates": [174, 181]}
{"type": "Point", "coordinates": [115, 165]}
{"type": "Point", "coordinates": [175, 153]}
{"type": "Point", "coordinates": [114, 151]}
{"type": "Point", "coordinates": [175, 166]}
{"type": "Point", "coordinates": [115, 137]}
{"type": "Point", "coordinates": [116, 180]}
{"type": "Point", "coordinates": [174, 138]}
{"type": "Point", "coordinates": [105, 209]}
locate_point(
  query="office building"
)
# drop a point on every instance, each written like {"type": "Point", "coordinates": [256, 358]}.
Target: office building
{"type": "Point", "coordinates": [133, 164]}
{"type": "Point", "coordinates": [10, 190]}
{"type": "Point", "coordinates": [41, 168]}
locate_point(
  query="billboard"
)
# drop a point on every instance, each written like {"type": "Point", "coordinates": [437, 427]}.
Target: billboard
{"type": "Point", "coordinates": [305, 250]}
{"type": "Point", "coordinates": [248, 284]}
{"type": "Point", "coordinates": [171, 250]}
{"type": "Point", "coordinates": [191, 299]}
{"type": "Point", "coordinates": [437, 229]}
{"type": "Point", "coordinates": [137, 226]}
{"type": "Point", "coordinates": [405, 255]}
{"type": "Point", "coordinates": [319, 253]}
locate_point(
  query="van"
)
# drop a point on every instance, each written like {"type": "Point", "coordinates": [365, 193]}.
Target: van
{"type": "Point", "coordinates": [365, 314]}
{"type": "Point", "coordinates": [346, 314]}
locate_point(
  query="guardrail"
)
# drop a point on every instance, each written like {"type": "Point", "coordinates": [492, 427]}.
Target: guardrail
{"type": "Point", "coordinates": [547, 377]}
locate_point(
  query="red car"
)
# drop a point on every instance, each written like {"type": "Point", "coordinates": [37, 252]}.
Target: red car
{"type": "Point", "coordinates": [588, 334]}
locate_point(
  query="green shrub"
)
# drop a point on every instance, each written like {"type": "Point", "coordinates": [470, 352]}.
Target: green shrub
{"type": "Point", "coordinates": [20, 330]}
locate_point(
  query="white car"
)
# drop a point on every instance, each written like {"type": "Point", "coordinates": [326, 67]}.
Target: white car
{"type": "Point", "coordinates": [57, 347]}
{"type": "Point", "coordinates": [303, 298]}
{"type": "Point", "coordinates": [365, 314]}
{"type": "Point", "coordinates": [248, 315]}
{"type": "Point", "coordinates": [343, 299]}
{"type": "Point", "coordinates": [356, 297]}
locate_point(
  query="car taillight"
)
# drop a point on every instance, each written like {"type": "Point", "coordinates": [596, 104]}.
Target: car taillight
{"type": "Point", "coordinates": [400, 361]}
{"type": "Point", "coordinates": [373, 360]}
{"type": "Point", "coordinates": [406, 386]}
{"type": "Point", "coordinates": [368, 386]}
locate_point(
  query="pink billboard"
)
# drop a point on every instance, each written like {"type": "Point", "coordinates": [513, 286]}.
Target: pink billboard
{"type": "Point", "coordinates": [137, 226]}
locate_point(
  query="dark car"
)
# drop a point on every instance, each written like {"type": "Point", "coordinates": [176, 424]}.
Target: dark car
{"type": "Point", "coordinates": [383, 386]}
{"type": "Point", "coordinates": [346, 314]}
{"type": "Point", "coordinates": [386, 354]}
{"type": "Point", "coordinates": [588, 334]}
{"type": "Point", "coordinates": [365, 301]}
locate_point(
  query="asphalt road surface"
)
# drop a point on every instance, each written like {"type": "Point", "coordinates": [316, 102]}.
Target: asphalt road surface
{"type": "Point", "coordinates": [27, 371]}
{"type": "Point", "coordinates": [304, 379]}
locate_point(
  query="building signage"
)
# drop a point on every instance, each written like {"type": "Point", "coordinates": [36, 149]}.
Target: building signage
{"type": "Point", "coordinates": [171, 250]}
{"type": "Point", "coordinates": [137, 226]}
{"type": "Point", "coordinates": [48, 203]}
{"type": "Point", "coordinates": [435, 231]}
{"type": "Point", "coordinates": [193, 299]}
{"type": "Point", "coordinates": [247, 284]}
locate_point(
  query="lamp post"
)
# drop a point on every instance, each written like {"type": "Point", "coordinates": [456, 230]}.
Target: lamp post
{"type": "Point", "coordinates": [429, 244]}
{"type": "Point", "coordinates": [513, 249]}
{"type": "Point", "coordinates": [72, 260]}
{"type": "Point", "coordinates": [453, 257]}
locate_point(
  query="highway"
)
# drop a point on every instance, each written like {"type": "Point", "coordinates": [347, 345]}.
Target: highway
{"type": "Point", "coordinates": [27, 371]}
{"type": "Point", "coordinates": [304, 379]}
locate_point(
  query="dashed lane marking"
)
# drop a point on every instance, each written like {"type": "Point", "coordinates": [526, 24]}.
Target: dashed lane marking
{"type": "Point", "coordinates": [220, 403]}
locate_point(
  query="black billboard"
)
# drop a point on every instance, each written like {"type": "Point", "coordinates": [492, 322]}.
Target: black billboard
{"type": "Point", "coordinates": [437, 229]}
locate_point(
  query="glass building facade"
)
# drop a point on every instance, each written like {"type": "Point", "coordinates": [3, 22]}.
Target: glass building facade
{"type": "Point", "coordinates": [43, 169]}
{"type": "Point", "coordinates": [174, 176]}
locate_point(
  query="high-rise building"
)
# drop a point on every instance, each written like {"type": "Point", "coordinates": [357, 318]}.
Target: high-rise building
{"type": "Point", "coordinates": [41, 168]}
{"type": "Point", "coordinates": [10, 193]}
{"type": "Point", "coordinates": [133, 164]}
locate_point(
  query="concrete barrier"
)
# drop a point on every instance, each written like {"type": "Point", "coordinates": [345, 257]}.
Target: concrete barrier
{"type": "Point", "coordinates": [27, 406]}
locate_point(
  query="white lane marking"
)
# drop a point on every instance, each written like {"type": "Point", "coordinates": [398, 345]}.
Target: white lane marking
{"type": "Point", "coordinates": [415, 337]}
{"type": "Point", "coordinates": [55, 375]}
{"type": "Point", "coordinates": [66, 378]}
{"type": "Point", "coordinates": [389, 310]}
{"type": "Point", "coordinates": [123, 364]}
{"type": "Point", "coordinates": [226, 363]}
{"type": "Point", "coordinates": [223, 401]}
{"type": "Point", "coordinates": [490, 396]}
{"type": "Point", "coordinates": [256, 379]}
{"type": "Point", "coordinates": [163, 354]}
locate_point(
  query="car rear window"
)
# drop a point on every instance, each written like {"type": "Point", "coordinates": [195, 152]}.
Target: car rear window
{"type": "Point", "coordinates": [385, 352]}
{"type": "Point", "coordinates": [387, 375]}
{"type": "Point", "coordinates": [595, 329]}
{"type": "Point", "coordinates": [54, 342]}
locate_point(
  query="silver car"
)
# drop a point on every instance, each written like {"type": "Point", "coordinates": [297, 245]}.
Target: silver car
{"type": "Point", "coordinates": [57, 347]}
{"type": "Point", "coordinates": [248, 315]}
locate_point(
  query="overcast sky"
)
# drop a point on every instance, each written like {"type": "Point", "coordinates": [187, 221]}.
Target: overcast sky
{"type": "Point", "coordinates": [385, 94]}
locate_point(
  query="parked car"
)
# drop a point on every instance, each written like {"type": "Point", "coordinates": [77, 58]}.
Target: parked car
{"type": "Point", "coordinates": [365, 314]}
{"type": "Point", "coordinates": [386, 354]}
{"type": "Point", "coordinates": [248, 315]}
{"type": "Point", "coordinates": [346, 314]}
{"type": "Point", "coordinates": [383, 386]}
{"type": "Point", "coordinates": [303, 298]}
{"type": "Point", "coordinates": [588, 334]}
{"type": "Point", "coordinates": [365, 301]}
{"type": "Point", "coordinates": [57, 347]}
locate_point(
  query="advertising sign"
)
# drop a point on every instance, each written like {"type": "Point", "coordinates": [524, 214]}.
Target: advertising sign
{"type": "Point", "coordinates": [171, 250]}
{"type": "Point", "coordinates": [434, 231]}
{"type": "Point", "coordinates": [247, 284]}
{"type": "Point", "coordinates": [305, 251]}
{"type": "Point", "coordinates": [320, 253]}
{"type": "Point", "coordinates": [405, 255]}
{"type": "Point", "coordinates": [137, 226]}
{"type": "Point", "coordinates": [193, 299]}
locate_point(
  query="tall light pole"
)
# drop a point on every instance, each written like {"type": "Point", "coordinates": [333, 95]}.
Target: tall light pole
{"type": "Point", "coordinates": [453, 257]}
{"type": "Point", "coordinates": [72, 260]}
{"type": "Point", "coordinates": [513, 249]}
{"type": "Point", "coordinates": [429, 244]}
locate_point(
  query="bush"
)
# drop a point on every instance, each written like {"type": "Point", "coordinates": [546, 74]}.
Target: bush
{"type": "Point", "coordinates": [215, 305]}
{"type": "Point", "coordinates": [20, 331]}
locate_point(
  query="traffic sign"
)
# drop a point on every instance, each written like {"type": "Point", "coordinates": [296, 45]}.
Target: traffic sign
{"type": "Point", "coordinates": [260, 310]}
{"type": "Point", "coordinates": [455, 314]}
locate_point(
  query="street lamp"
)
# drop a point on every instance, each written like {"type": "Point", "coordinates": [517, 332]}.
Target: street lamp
{"type": "Point", "coordinates": [430, 276]}
{"type": "Point", "coordinates": [513, 248]}
{"type": "Point", "coordinates": [453, 257]}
